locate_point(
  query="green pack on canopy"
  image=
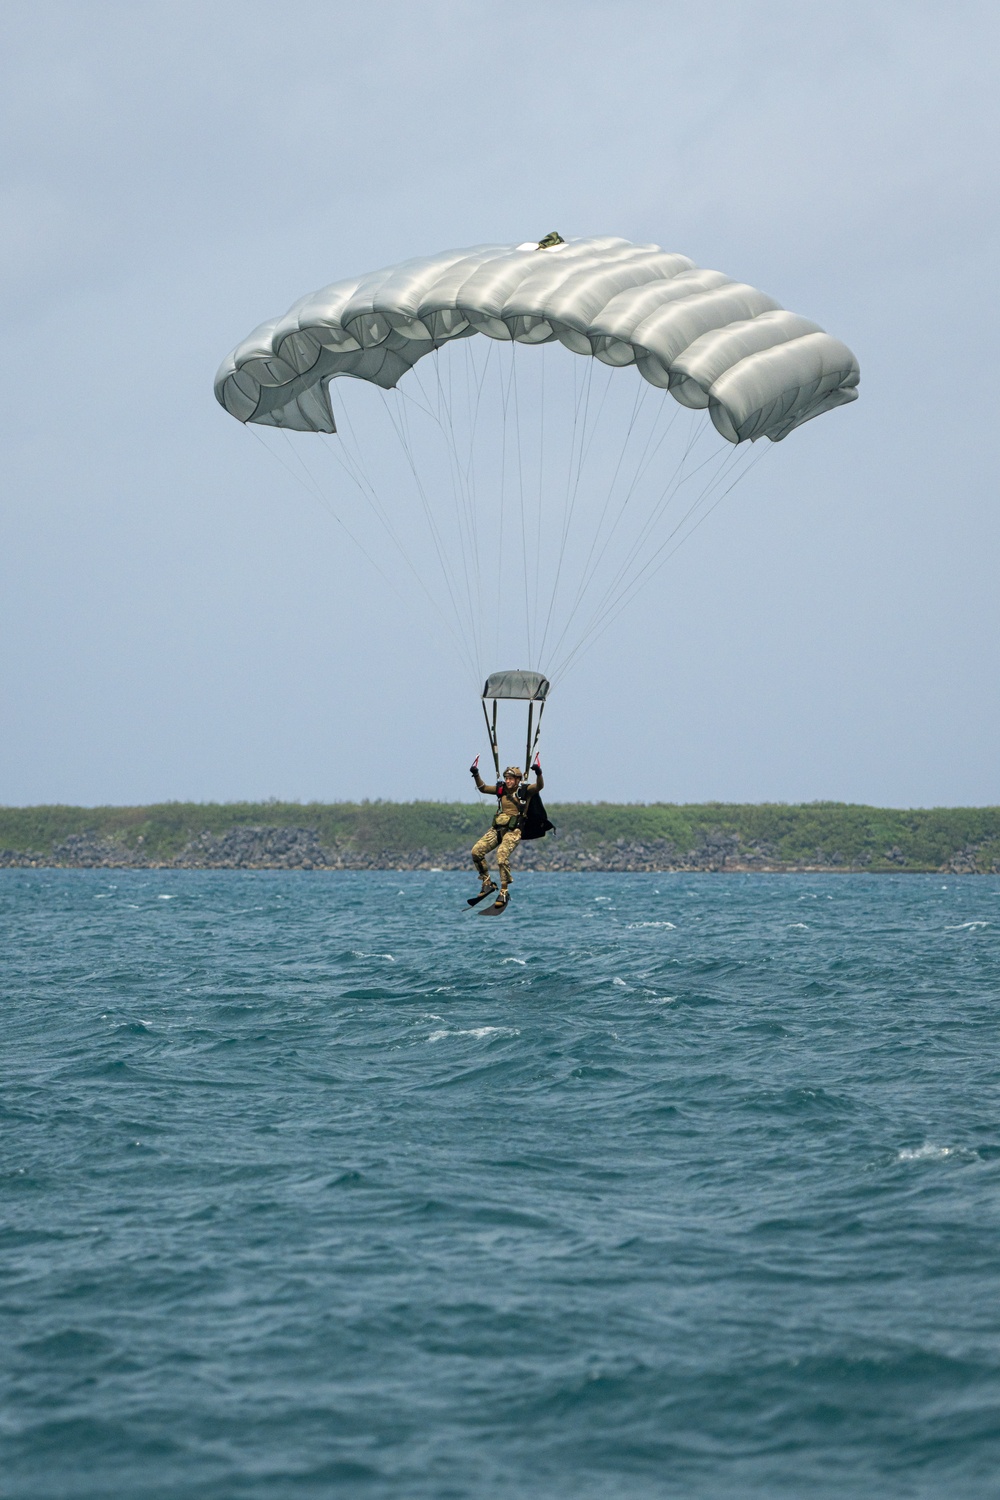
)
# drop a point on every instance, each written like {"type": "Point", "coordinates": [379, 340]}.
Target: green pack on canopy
{"type": "Point", "coordinates": [527, 686]}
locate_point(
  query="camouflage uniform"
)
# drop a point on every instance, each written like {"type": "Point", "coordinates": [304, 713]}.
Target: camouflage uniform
{"type": "Point", "coordinates": [505, 835]}
{"type": "Point", "coordinates": [505, 844]}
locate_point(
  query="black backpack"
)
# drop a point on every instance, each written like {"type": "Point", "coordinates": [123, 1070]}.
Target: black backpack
{"type": "Point", "coordinates": [535, 820]}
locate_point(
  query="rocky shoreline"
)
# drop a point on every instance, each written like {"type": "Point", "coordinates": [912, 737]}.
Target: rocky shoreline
{"type": "Point", "coordinates": [284, 848]}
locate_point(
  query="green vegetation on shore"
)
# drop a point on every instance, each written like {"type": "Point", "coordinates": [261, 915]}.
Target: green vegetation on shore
{"type": "Point", "coordinates": [816, 834]}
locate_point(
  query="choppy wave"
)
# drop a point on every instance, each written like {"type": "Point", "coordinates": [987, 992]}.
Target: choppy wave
{"type": "Point", "coordinates": [648, 1187]}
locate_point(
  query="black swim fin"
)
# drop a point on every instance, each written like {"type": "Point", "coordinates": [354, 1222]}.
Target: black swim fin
{"type": "Point", "coordinates": [498, 906]}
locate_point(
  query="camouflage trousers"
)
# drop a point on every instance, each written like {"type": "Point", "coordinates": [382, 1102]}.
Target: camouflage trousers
{"type": "Point", "coordinates": [504, 846]}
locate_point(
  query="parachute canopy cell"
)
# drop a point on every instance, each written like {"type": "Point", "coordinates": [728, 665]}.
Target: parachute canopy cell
{"type": "Point", "coordinates": [528, 686]}
{"type": "Point", "coordinates": [713, 342]}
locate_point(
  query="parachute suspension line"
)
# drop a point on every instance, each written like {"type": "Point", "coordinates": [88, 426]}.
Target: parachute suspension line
{"type": "Point", "coordinates": [592, 565]}
{"type": "Point", "coordinates": [491, 371]}
{"type": "Point", "coordinates": [465, 522]}
{"type": "Point", "coordinates": [402, 434]}
{"type": "Point", "coordinates": [588, 572]}
{"type": "Point", "coordinates": [504, 403]}
{"type": "Point", "coordinates": [598, 545]}
{"type": "Point", "coordinates": [538, 731]}
{"type": "Point", "coordinates": [467, 623]}
{"type": "Point", "coordinates": [463, 478]}
{"type": "Point", "coordinates": [315, 490]}
{"type": "Point", "coordinates": [640, 584]}
{"type": "Point", "coordinates": [355, 472]}
{"type": "Point", "coordinates": [567, 507]}
{"type": "Point", "coordinates": [317, 494]}
{"type": "Point", "coordinates": [588, 437]}
{"type": "Point", "coordinates": [467, 479]}
{"type": "Point", "coordinates": [353, 466]}
{"type": "Point", "coordinates": [401, 429]}
{"type": "Point", "coordinates": [673, 484]}
{"type": "Point", "coordinates": [470, 466]}
{"type": "Point", "coordinates": [541, 494]}
{"type": "Point", "coordinates": [621, 582]}
{"type": "Point", "coordinates": [602, 621]}
{"type": "Point", "coordinates": [722, 460]}
{"type": "Point", "coordinates": [463, 506]}
{"type": "Point", "coordinates": [470, 627]}
{"type": "Point", "coordinates": [573, 477]}
{"type": "Point", "coordinates": [574, 463]}
{"type": "Point", "coordinates": [520, 490]}
{"type": "Point", "coordinates": [732, 472]}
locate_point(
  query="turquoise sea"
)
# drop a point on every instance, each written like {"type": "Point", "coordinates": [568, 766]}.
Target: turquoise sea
{"type": "Point", "coordinates": [320, 1184]}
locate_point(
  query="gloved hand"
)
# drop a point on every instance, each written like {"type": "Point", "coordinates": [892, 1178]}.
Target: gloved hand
{"type": "Point", "coordinates": [474, 770]}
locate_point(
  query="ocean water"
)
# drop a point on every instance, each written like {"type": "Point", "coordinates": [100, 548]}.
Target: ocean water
{"type": "Point", "coordinates": [321, 1184]}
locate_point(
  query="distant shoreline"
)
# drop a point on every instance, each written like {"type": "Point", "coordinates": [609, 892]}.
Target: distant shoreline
{"type": "Point", "coordinates": [804, 838]}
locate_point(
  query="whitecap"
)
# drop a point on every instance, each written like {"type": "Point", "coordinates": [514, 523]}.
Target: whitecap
{"type": "Point", "coordinates": [966, 926]}
{"type": "Point", "coordinates": [803, 925]}
{"type": "Point", "coordinates": [164, 898]}
{"type": "Point", "coordinates": [926, 1152]}
{"type": "Point", "coordinates": [620, 983]}
{"type": "Point", "coordinates": [632, 925]}
{"type": "Point", "coordinates": [521, 961]}
{"type": "Point", "coordinates": [476, 1031]}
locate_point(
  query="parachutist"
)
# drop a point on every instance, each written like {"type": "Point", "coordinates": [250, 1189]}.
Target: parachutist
{"type": "Point", "coordinates": [514, 796]}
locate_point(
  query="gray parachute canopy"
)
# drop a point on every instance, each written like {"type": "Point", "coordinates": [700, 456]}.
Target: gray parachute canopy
{"type": "Point", "coordinates": [711, 341]}
{"type": "Point", "coordinates": [528, 686]}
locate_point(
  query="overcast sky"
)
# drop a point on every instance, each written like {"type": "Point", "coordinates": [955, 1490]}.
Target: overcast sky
{"type": "Point", "coordinates": [181, 621]}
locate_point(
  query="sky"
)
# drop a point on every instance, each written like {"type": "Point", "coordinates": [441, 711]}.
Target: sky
{"type": "Point", "coordinates": [182, 620]}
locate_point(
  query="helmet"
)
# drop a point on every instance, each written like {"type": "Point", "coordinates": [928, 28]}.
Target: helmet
{"type": "Point", "coordinates": [514, 771]}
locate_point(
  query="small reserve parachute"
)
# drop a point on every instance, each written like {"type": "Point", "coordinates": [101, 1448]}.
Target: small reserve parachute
{"type": "Point", "coordinates": [527, 494]}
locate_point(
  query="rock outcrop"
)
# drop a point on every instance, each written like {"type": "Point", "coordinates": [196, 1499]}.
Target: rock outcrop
{"type": "Point", "coordinates": [249, 847]}
{"type": "Point", "coordinates": [262, 846]}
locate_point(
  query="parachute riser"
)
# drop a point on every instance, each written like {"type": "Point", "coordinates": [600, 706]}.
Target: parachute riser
{"type": "Point", "coordinates": [533, 743]}
{"type": "Point", "coordinates": [491, 730]}
{"type": "Point", "coordinates": [530, 687]}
